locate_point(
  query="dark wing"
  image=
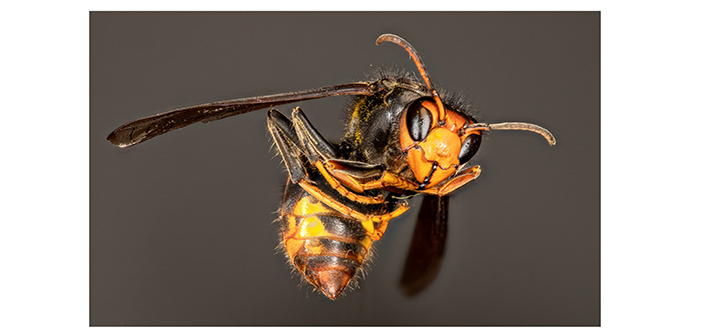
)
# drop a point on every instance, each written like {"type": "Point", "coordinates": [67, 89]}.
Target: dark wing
{"type": "Point", "coordinates": [144, 129]}
{"type": "Point", "coordinates": [427, 249]}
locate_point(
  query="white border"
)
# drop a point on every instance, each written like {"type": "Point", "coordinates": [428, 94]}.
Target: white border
{"type": "Point", "coordinates": [650, 190]}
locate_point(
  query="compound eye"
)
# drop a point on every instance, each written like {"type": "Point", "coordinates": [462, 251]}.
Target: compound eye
{"type": "Point", "coordinates": [418, 119]}
{"type": "Point", "coordinates": [469, 148]}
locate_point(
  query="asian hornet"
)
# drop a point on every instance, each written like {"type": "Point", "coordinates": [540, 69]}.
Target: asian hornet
{"type": "Point", "coordinates": [404, 137]}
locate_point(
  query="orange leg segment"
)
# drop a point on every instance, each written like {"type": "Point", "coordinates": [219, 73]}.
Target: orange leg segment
{"type": "Point", "coordinates": [334, 183]}
{"type": "Point", "coordinates": [455, 182]}
{"type": "Point", "coordinates": [368, 221]}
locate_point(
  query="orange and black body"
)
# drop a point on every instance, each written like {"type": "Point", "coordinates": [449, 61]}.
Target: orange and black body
{"type": "Point", "coordinates": [381, 129]}
{"type": "Point", "coordinates": [326, 234]}
{"type": "Point", "coordinates": [327, 248]}
{"type": "Point", "coordinates": [403, 138]}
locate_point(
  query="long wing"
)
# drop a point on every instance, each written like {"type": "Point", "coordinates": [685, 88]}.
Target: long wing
{"type": "Point", "coordinates": [144, 129]}
{"type": "Point", "coordinates": [427, 249]}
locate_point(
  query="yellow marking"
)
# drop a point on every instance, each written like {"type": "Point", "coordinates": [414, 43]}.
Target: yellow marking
{"type": "Point", "coordinates": [309, 205]}
{"type": "Point", "coordinates": [293, 246]}
{"type": "Point", "coordinates": [312, 227]}
{"type": "Point", "coordinates": [292, 226]}
{"type": "Point", "coordinates": [369, 226]}
{"type": "Point", "coordinates": [338, 206]}
{"type": "Point", "coordinates": [366, 243]}
{"type": "Point", "coordinates": [355, 116]}
{"type": "Point", "coordinates": [313, 247]}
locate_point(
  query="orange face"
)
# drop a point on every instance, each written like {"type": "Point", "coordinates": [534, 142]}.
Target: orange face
{"type": "Point", "coordinates": [432, 144]}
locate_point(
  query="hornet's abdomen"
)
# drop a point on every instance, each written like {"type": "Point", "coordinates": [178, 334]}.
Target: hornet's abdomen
{"type": "Point", "coordinates": [325, 246]}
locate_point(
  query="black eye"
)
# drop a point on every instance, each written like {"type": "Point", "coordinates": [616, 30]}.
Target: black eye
{"type": "Point", "coordinates": [418, 120]}
{"type": "Point", "coordinates": [469, 148]}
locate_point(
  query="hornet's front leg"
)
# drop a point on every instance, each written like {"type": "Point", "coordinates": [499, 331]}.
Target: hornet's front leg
{"type": "Point", "coordinates": [460, 178]}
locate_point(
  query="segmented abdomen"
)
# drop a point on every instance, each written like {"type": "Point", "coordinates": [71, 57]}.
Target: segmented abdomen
{"type": "Point", "coordinates": [325, 246]}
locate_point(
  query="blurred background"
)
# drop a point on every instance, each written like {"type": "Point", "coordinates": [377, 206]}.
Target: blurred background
{"type": "Point", "coordinates": [182, 226]}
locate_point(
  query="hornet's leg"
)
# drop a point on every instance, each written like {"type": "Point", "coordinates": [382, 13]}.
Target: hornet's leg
{"type": "Point", "coordinates": [464, 175]}
{"type": "Point", "coordinates": [281, 128]}
{"type": "Point", "coordinates": [289, 147]}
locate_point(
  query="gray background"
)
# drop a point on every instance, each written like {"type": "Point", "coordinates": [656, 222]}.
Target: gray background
{"type": "Point", "coordinates": [182, 228]}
